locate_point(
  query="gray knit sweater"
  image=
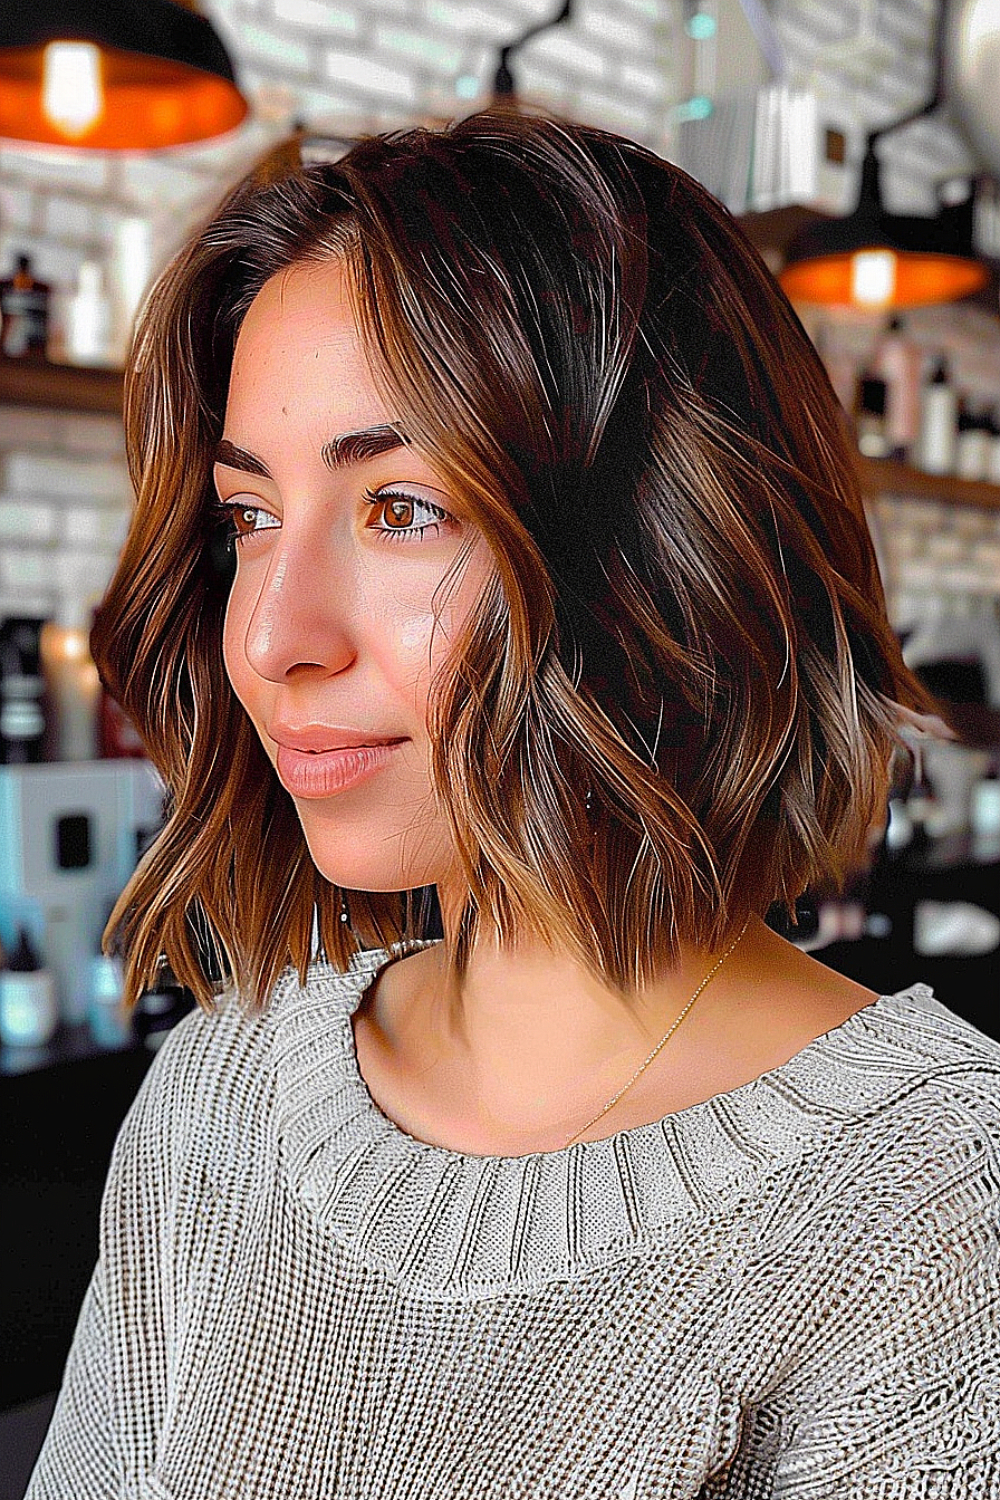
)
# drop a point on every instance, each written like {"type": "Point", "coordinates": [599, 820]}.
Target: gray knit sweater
{"type": "Point", "coordinates": [791, 1290]}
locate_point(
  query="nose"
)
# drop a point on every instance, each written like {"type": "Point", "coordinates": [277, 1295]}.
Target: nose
{"type": "Point", "coordinates": [299, 624]}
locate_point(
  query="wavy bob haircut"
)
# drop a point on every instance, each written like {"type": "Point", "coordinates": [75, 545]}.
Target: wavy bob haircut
{"type": "Point", "coordinates": [686, 616]}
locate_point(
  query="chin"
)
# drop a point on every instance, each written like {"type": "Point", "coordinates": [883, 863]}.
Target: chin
{"type": "Point", "coordinates": [353, 862]}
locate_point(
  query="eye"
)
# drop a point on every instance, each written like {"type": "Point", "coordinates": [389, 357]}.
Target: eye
{"type": "Point", "coordinates": [400, 508]}
{"type": "Point", "coordinates": [241, 521]}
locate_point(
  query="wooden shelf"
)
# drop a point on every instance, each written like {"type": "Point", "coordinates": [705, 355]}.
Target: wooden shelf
{"type": "Point", "coordinates": [63, 387]}
{"type": "Point", "coordinates": [883, 476]}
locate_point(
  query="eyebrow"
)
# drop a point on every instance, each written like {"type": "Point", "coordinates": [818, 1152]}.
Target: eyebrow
{"type": "Point", "coordinates": [339, 453]}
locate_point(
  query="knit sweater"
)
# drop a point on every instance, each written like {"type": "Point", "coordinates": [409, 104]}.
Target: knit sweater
{"type": "Point", "coordinates": [791, 1289]}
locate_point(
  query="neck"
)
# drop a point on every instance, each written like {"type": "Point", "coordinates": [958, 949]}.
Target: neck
{"type": "Point", "coordinates": [532, 1041]}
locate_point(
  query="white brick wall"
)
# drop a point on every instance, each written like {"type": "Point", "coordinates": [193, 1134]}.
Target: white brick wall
{"type": "Point", "coordinates": [344, 66]}
{"type": "Point", "coordinates": [65, 501]}
{"type": "Point", "coordinates": [621, 63]}
{"type": "Point", "coordinates": [931, 548]}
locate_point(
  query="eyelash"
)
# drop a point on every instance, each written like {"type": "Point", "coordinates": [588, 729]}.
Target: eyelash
{"type": "Point", "coordinates": [226, 510]}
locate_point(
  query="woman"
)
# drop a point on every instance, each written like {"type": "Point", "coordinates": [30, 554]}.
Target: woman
{"type": "Point", "coordinates": [553, 597]}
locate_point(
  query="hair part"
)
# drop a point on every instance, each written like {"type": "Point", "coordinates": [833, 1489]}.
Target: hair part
{"type": "Point", "coordinates": [686, 615]}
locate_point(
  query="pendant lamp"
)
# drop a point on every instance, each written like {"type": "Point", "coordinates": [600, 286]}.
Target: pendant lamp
{"type": "Point", "coordinates": [874, 259]}
{"type": "Point", "coordinates": [504, 87]}
{"type": "Point", "coordinates": [132, 75]}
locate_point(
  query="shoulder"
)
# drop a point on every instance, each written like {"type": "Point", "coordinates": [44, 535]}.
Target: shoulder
{"type": "Point", "coordinates": [945, 1064]}
{"type": "Point", "coordinates": [906, 1052]}
{"type": "Point", "coordinates": [909, 1164]}
{"type": "Point", "coordinates": [208, 1085]}
{"type": "Point", "coordinates": [215, 1073]}
{"type": "Point", "coordinates": [890, 1127]}
{"type": "Point", "coordinates": [888, 1223]}
{"type": "Point", "coordinates": [928, 1074]}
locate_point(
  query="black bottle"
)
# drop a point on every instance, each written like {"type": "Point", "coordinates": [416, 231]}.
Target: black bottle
{"type": "Point", "coordinates": [24, 313]}
{"type": "Point", "coordinates": [22, 693]}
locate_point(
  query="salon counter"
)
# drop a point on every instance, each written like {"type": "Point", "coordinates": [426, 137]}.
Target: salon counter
{"type": "Point", "coordinates": [62, 1108]}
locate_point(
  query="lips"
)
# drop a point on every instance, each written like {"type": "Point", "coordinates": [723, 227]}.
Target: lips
{"type": "Point", "coordinates": [317, 739]}
{"type": "Point", "coordinates": [324, 773]}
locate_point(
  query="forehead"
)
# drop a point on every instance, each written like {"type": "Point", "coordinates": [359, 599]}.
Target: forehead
{"type": "Point", "coordinates": [300, 341]}
{"type": "Point", "coordinates": [300, 304]}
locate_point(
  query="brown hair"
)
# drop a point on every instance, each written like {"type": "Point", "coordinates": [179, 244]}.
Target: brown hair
{"type": "Point", "coordinates": [686, 615]}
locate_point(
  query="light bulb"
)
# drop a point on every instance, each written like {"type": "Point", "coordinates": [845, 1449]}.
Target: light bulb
{"type": "Point", "coordinates": [72, 94]}
{"type": "Point", "coordinates": [873, 278]}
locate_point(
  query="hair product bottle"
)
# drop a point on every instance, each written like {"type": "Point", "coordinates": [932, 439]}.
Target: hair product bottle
{"type": "Point", "coordinates": [870, 423]}
{"type": "Point", "coordinates": [921, 806]}
{"type": "Point", "coordinates": [109, 1024]}
{"type": "Point", "coordinates": [87, 333]}
{"type": "Point", "coordinates": [24, 313]}
{"type": "Point", "coordinates": [938, 422]}
{"type": "Point", "coordinates": [29, 1009]}
{"type": "Point", "coordinates": [985, 814]}
{"type": "Point", "coordinates": [72, 681]}
{"type": "Point", "coordinates": [22, 693]}
{"type": "Point", "coordinates": [975, 440]}
{"type": "Point", "coordinates": [899, 362]}
{"type": "Point", "coordinates": [993, 468]}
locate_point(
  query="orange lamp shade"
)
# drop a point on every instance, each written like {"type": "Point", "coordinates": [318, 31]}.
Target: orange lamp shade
{"type": "Point", "coordinates": [147, 102]}
{"type": "Point", "coordinates": [916, 279]}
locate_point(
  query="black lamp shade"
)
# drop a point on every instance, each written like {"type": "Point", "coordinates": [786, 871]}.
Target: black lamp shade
{"type": "Point", "coordinates": [933, 257]}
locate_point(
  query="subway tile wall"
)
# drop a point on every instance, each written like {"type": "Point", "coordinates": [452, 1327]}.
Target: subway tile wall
{"type": "Point", "coordinates": [345, 66]}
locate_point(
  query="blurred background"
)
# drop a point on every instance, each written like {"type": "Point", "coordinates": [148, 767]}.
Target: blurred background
{"type": "Point", "coordinates": [858, 143]}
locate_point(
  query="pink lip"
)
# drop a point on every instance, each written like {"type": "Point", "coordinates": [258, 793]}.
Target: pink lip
{"type": "Point", "coordinates": [325, 737]}
{"type": "Point", "coordinates": [323, 773]}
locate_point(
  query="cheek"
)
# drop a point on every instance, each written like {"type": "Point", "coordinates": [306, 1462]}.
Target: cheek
{"type": "Point", "coordinates": [406, 648]}
{"type": "Point", "coordinates": [429, 639]}
{"type": "Point", "coordinates": [425, 640]}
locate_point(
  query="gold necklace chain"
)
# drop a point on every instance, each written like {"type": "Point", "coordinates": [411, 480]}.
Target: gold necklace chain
{"type": "Point", "coordinates": [663, 1040]}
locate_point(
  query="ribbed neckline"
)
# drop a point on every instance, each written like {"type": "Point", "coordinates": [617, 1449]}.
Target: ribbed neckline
{"type": "Point", "coordinates": [454, 1224]}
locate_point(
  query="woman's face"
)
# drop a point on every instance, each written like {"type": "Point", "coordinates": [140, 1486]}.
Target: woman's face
{"type": "Point", "coordinates": [330, 636]}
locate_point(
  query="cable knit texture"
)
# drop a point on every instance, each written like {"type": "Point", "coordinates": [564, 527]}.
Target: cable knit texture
{"type": "Point", "coordinates": [790, 1290]}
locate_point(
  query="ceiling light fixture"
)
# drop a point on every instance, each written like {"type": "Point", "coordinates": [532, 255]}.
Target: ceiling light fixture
{"type": "Point", "coordinates": [875, 259]}
{"type": "Point", "coordinates": [138, 75]}
{"type": "Point", "coordinates": [504, 90]}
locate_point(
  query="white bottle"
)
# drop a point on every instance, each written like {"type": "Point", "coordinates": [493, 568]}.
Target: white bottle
{"type": "Point", "coordinates": [993, 469]}
{"type": "Point", "coordinates": [130, 271]}
{"type": "Point", "coordinates": [29, 1007]}
{"type": "Point", "coordinates": [938, 422]}
{"type": "Point", "coordinates": [110, 1025]}
{"type": "Point", "coordinates": [87, 333]}
{"type": "Point", "coordinates": [975, 441]}
{"type": "Point", "coordinates": [985, 817]}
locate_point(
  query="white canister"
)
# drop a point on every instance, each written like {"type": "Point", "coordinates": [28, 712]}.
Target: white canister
{"type": "Point", "coordinates": [986, 818]}
{"type": "Point", "coordinates": [974, 444]}
{"type": "Point", "coordinates": [29, 1006]}
{"type": "Point", "coordinates": [993, 468]}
